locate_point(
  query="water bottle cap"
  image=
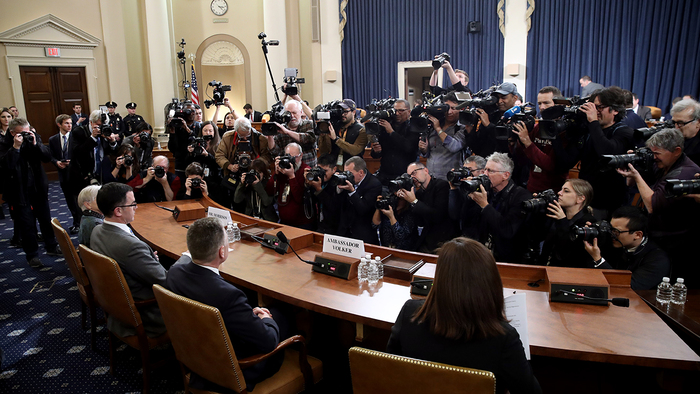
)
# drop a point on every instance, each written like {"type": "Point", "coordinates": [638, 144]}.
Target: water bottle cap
{"type": "Point", "coordinates": [377, 258]}
{"type": "Point", "coordinates": [680, 280]}
{"type": "Point", "coordinates": [235, 224]}
{"type": "Point", "coordinates": [666, 279]}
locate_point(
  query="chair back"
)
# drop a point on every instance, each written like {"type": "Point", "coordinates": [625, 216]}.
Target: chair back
{"type": "Point", "coordinates": [110, 288]}
{"type": "Point", "coordinates": [70, 254]}
{"type": "Point", "coordinates": [208, 353]}
{"type": "Point", "coordinates": [655, 112]}
{"type": "Point", "coordinates": [378, 372]}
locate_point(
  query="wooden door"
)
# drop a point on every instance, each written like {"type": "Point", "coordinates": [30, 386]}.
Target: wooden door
{"type": "Point", "coordinates": [49, 92]}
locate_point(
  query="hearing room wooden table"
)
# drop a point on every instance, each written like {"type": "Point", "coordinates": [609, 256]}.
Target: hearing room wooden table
{"type": "Point", "coordinates": [631, 336]}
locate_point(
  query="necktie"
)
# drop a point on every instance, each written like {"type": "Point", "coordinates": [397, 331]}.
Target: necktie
{"type": "Point", "coordinates": [65, 145]}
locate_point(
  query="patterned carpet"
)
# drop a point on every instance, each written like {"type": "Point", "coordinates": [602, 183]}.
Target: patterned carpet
{"type": "Point", "coordinates": [44, 348]}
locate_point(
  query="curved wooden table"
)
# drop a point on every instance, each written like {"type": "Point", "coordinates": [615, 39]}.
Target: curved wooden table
{"type": "Point", "coordinates": [632, 336]}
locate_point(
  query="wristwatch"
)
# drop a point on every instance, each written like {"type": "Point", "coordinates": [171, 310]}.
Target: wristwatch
{"type": "Point", "coordinates": [597, 263]}
{"type": "Point", "coordinates": [414, 202]}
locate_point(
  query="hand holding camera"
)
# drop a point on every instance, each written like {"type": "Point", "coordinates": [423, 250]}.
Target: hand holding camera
{"type": "Point", "coordinates": [480, 197]}
{"type": "Point", "coordinates": [384, 205]}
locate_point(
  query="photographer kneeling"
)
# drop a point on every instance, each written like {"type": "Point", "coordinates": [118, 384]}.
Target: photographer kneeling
{"type": "Point", "coordinates": [397, 224]}
{"type": "Point", "coordinates": [142, 141]}
{"type": "Point", "coordinates": [125, 166]}
{"type": "Point", "coordinates": [672, 220]}
{"type": "Point", "coordinates": [251, 189]}
{"type": "Point", "coordinates": [195, 185]}
{"type": "Point", "coordinates": [156, 184]}
{"type": "Point", "coordinates": [648, 263]}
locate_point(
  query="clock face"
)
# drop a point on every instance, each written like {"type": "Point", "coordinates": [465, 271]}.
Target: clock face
{"type": "Point", "coordinates": [219, 7]}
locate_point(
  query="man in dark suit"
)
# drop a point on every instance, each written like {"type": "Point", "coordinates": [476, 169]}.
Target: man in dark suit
{"type": "Point", "coordinates": [588, 86]}
{"type": "Point", "coordinates": [642, 111]}
{"type": "Point", "coordinates": [358, 202]}
{"type": "Point", "coordinates": [78, 117]}
{"type": "Point", "coordinates": [90, 146]}
{"type": "Point", "coordinates": [252, 115]}
{"type": "Point", "coordinates": [138, 262]}
{"type": "Point", "coordinates": [252, 330]}
{"type": "Point", "coordinates": [60, 157]}
{"type": "Point", "coordinates": [27, 189]}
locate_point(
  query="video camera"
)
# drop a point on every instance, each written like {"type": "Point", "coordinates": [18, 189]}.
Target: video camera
{"type": "Point", "coordinates": [563, 116]}
{"type": "Point", "coordinates": [290, 78]}
{"type": "Point", "coordinates": [178, 110]}
{"type": "Point", "coordinates": [643, 134]}
{"type": "Point", "coordinates": [642, 159]}
{"type": "Point", "coordinates": [218, 95]}
{"type": "Point", "coordinates": [681, 187]}
{"type": "Point", "coordinates": [330, 113]}
{"type": "Point", "coordinates": [506, 125]}
{"type": "Point", "coordinates": [484, 99]}
{"type": "Point", "coordinates": [200, 144]}
{"type": "Point", "coordinates": [601, 230]}
{"type": "Point", "coordinates": [541, 202]}
{"type": "Point", "coordinates": [244, 154]}
{"type": "Point", "coordinates": [402, 181]}
{"type": "Point", "coordinates": [420, 123]}
{"type": "Point", "coordinates": [439, 60]}
{"type": "Point", "coordinates": [377, 110]}
{"type": "Point", "coordinates": [276, 114]}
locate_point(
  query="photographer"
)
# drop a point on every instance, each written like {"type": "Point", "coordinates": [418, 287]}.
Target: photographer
{"type": "Point", "coordinates": [462, 210]}
{"type": "Point", "coordinates": [90, 147]}
{"type": "Point", "coordinates": [396, 223]}
{"type": "Point", "coordinates": [296, 130]}
{"type": "Point", "coordinates": [142, 141]}
{"type": "Point", "coordinates": [240, 146]}
{"type": "Point", "coordinates": [429, 200]}
{"type": "Point", "coordinates": [648, 263]}
{"type": "Point", "coordinates": [501, 221]}
{"type": "Point", "coordinates": [203, 150]}
{"type": "Point", "coordinates": [350, 140]}
{"type": "Point", "coordinates": [395, 146]}
{"type": "Point", "coordinates": [288, 186]}
{"type": "Point", "coordinates": [325, 196]}
{"type": "Point", "coordinates": [570, 209]}
{"type": "Point", "coordinates": [544, 171]}
{"type": "Point", "coordinates": [606, 135]}
{"type": "Point", "coordinates": [195, 185]}
{"type": "Point", "coordinates": [156, 184]}
{"type": "Point", "coordinates": [686, 118]}
{"type": "Point", "coordinates": [357, 202]}
{"type": "Point", "coordinates": [458, 78]}
{"type": "Point", "coordinates": [445, 142]}
{"type": "Point", "coordinates": [482, 141]}
{"type": "Point", "coordinates": [251, 189]}
{"type": "Point", "coordinates": [125, 165]}
{"type": "Point", "coordinates": [673, 220]}
{"type": "Point", "coordinates": [229, 119]}
{"type": "Point", "coordinates": [21, 157]}
{"type": "Point", "coordinates": [182, 127]}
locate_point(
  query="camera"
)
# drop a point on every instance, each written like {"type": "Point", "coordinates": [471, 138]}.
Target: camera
{"type": "Point", "coordinates": [403, 181]}
{"type": "Point", "coordinates": [484, 99]}
{"type": "Point", "coordinates": [340, 177]}
{"type": "Point", "coordinates": [387, 201]}
{"type": "Point", "coordinates": [506, 125]}
{"type": "Point", "coordinates": [144, 138]}
{"type": "Point", "coordinates": [455, 177]}
{"type": "Point", "coordinates": [250, 177]}
{"type": "Point", "coordinates": [286, 161]}
{"type": "Point", "coordinates": [195, 183]}
{"type": "Point", "coordinates": [473, 185]}
{"type": "Point", "coordinates": [315, 174]}
{"type": "Point", "coordinates": [200, 144]}
{"type": "Point", "coordinates": [440, 59]}
{"type": "Point", "coordinates": [377, 110]}
{"type": "Point", "coordinates": [159, 171]}
{"type": "Point", "coordinates": [128, 160]}
{"type": "Point", "coordinates": [218, 95]}
{"type": "Point", "coordinates": [563, 116]}
{"type": "Point", "coordinates": [28, 136]}
{"type": "Point", "coordinates": [642, 159]}
{"type": "Point", "coordinates": [176, 111]}
{"type": "Point", "coordinates": [330, 113]}
{"type": "Point", "coordinates": [601, 230]}
{"type": "Point", "coordinates": [643, 134]}
{"type": "Point", "coordinates": [290, 78]}
{"type": "Point", "coordinates": [681, 187]}
{"type": "Point", "coordinates": [420, 123]}
{"type": "Point", "coordinates": [541, 202]}
{"type": "Point", "coordinates": [275, 114]}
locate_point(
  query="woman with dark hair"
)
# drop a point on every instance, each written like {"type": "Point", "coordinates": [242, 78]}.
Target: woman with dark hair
{"type": "Point", "coordinates": [229, 118]}
{"type": "Point", "coordinates": [125, 168]}
{"type": "Point", "coordinates": [258, 203]}
{"type": "Point", "coordinates": [203, 151]}
{"type": "Point", "coordinates": [5, 118]}
{"type": "Point", "coordinates": [462, 321]}
{"type": "Point", "coordinates": [397, 224]}
{"type": "Point", "coordinates": [571, 209]}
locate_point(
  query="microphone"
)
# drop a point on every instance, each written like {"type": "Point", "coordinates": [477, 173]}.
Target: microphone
{"type": "Point", "coordinates": [625, 302]}
{"type": "Point", "coordinates": [268, 244]}
{"type": "Point", "coordinates": [167, 209]}
{"type": "Point", "coordinates": [283, 238]}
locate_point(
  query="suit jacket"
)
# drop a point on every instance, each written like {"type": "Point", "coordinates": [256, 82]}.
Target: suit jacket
{"type": "Point", "coordinates": [75, 118]}
{"type": "Point", "coordinates": [633, 120]}
{"type": "Point", "coordinates": [358, 209]}
{"type": "Point", "coordinates": [590, 88]}
{"type": "Point", "coordinates": [503, 355]}
{"type": "Point", "coordinates": [22, 172]}
{"type": "Point", "coordinates": [56, 149]}
{"type": "Point", "coordinates": [141, 270]}
{"type": "Point", "coordinates": [431, 212]}
{"type": "Point", "coordinates": [644, 112]}
{"type": "Point", "coordinates": [249, 334]}
{"type": "Point", "coordinates": [82, 164]}
{"type": "Point", "coordinates": [257, 116]}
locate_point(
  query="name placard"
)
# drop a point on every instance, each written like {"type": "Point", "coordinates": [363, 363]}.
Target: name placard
{"type": "Point", "coordinates": [220, 214]}
{"type": "Point", "coordinates": [343, 246]}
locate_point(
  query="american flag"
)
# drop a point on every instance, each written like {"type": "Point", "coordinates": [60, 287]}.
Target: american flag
{"type": "Point", "coordinates": [193, 87]}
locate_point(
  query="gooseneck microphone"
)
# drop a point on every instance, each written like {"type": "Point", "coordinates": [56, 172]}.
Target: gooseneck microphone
{"type": "Point", "coordinates": [283, 238]}
{"type": "Point", "coordinates": [167, 209]}
{"type": "Point", "coordinates": [624, 302]}
{"type": "Point", "coordinates": [268, 244]}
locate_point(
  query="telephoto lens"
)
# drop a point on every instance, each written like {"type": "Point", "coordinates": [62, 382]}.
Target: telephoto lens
{"type": "Point", "coordinates": [159, 171]}
{"type": "Point", "coordinates": [541, 202]}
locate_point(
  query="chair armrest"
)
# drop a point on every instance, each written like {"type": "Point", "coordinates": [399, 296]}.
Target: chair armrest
{"type": "Point", "coordinates": [141, 304]}
{"type": "Point", "coordinates": [303, 362]}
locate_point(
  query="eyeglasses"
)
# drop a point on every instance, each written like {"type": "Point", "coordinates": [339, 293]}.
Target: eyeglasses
{"type": "Point", "coordinates": [490, 171]}
{"type": "Point", "coordinates": [679, 123]}
{"type": "Point", "coordinates": [601, 107]}
{"type": "Point", "coordinates": [401, 110]}
{"type": "Point", "coordinates": [616, 232]}
{"type": "Point", "coordinates": [132, 205]}
{"type": "Point", "coordinates": [413, 173]}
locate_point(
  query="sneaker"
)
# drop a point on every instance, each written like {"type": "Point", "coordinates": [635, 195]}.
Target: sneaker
{"type": "Point", "coordinates": [74, 230]}
{"type": "Point", "coordinates": [34, 262]}
{"type": "Point", "coordinates": [55, 251]}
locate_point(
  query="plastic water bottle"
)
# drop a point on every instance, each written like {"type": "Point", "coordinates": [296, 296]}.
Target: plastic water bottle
{"type": "Point", "coordinates": [229, 232]}
{"type": "Point", "coordinates": [372, 272]}
{"type": "Point", "coordinates": [362, 270]}
{"type": "Point", "coordinates": [236, 233]}
{"type": "Point", "coordinates": [380, 267]}
{"type": "Point", "coordinates": [663, 291]}
{"type": "Point", "coordinates": [679, 292]}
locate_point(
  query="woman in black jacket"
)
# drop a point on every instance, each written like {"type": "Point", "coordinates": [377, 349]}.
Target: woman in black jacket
{"type": "Point", "coordinates": [462, 321]}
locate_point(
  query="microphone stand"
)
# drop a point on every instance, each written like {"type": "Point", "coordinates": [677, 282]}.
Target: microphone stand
{"type": "Point", "coordinates": [262, 36]}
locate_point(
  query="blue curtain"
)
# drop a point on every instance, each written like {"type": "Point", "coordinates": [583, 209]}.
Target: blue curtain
{"type": "Point", "coordinates": [650, 47]}
{"type": "Point", "coordinates": [380, 33]}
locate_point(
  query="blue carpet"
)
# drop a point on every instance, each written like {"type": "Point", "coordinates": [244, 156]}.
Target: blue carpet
{"type": "Point", "coordinates": [43, 344]}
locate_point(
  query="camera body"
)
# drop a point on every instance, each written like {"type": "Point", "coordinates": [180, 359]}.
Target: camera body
{"type": "Point", "coordinates": [420, 123]}
{"type": "Point", "coordinates": [642, 159]}
{"type": "Point", "coordinates": [177, 110]}
{"type": "Point", "coordinates": [315, 174]}
{"type": "Point", "coordinates": [144, 138]}
{"type": "Point", "coordinates": [564, 116]}
{"type": "Point", "coordinates": [330, 113]}
{"type": "Point", "coordinates": [455, 177]}
{"type": "Point", "coordinates": [601, 230]}
{"type": "Point", "coordinates": [473, 185]}
{"type": "Point", "coordinates": [28, 136]}
{"type": "Point", "coordinates": [506, 126]}
{"type": "Point", "coordinates": [250, 177]}
{"type": "Point", "coordinates": [128, 160]}
{"type": "Point", "coordinates": [387, 201]}
{"type": "Point", "coordinates": [276, 114]}
{"type": "Point", "coordinates": [402, 181]}
{"type": "Point", "coordinates": [439, 60]}
{"type": "Point", "coordinates": [643, 134]}
{"type": "Point", "coordinates": [290, 78]}
{"type": "Point", "coordinates": [376, 111]}
{"type": "Point", "coordinates": [340, 177]}
{"type": "Point", "coordinates": [541, 202]}
{"type": "Point", "coordinates": [159, 171]}
{"type": "Point", "coordinates": [286, 161]}
{"type": "Point", "coordinates": [195, 183]}
{"type": "Point", "coordinates": [218, 95]}
{"type": "Point", "coordinates": [200, 144]}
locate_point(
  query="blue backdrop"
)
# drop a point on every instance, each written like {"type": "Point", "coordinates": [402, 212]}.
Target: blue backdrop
{"type": "Point", "coordinates": [380, 33]}
{"type": "Point", "coordinates": [650, 47]}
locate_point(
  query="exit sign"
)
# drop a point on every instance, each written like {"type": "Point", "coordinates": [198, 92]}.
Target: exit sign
{"type": "Point", "coordinates": [53, 52]}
